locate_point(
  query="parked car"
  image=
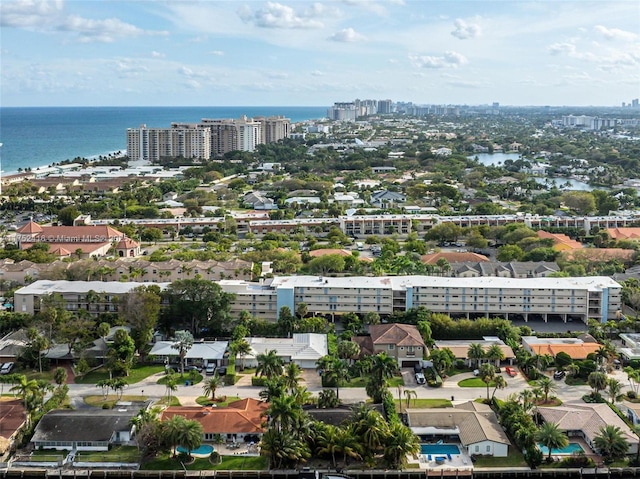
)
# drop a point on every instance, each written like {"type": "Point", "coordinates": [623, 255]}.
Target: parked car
{"type": "Point", "coordinates": [192, 368]}
{"type": "Point", "coordinates": [6, 368]}
{"type": "Point", "coordinates": [417, 368]}
{"type": "Point", "coordinates": [420, 379]}
{"type": "Point", "coordinates": [210, 370]}
{"type": "Point", "coordinates": [476, 372]}
{"type": "Point", "coordinates": [511, 371]}
{"type": "Point", "coordinates": [559, 375]}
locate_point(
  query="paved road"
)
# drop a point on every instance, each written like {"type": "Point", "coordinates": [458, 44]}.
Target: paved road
{"type": "Point", "coordinates": [449, 390]}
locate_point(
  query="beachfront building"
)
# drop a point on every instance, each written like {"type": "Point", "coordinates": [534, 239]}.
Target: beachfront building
{"type": "Point", "coordinates": [187, 140]}
{"type": "Point", "coordinates": [562, 299]}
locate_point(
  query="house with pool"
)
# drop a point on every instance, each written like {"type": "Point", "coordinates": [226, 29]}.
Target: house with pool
{"type": "Point", "coordinates": [471, 427]}
{"type": "Point", "coordinates": [582, 421]}
{"type": "Point", "coordinates": [240, 421]}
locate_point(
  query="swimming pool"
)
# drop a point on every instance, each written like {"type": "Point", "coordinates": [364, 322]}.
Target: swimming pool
{"type": "Point", "coordinates": [439, 449]}
{"type": "Point", "coordinates": [572, 448]}
{"type": "Point", "coordinates": [204, 450]}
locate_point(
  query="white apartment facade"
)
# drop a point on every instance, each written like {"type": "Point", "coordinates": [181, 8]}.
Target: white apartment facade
{"type": "Point", "coordinates": [557, 299]}
{"type": "Point", "coordinates": [182, 139]}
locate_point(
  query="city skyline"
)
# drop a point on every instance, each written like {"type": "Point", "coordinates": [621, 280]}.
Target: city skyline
{"type": "Point", "coordinates": [87, 53]}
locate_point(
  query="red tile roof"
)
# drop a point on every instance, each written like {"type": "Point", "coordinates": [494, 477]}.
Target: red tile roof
{"type": "Point", "coordinates": [243, 416]}
{"type": "Point", "coordinates": [11, 416]}
{"type": "Point", "coordinates": [454, 257]}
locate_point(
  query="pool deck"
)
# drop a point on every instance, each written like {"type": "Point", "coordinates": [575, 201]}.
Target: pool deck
{"type": "Point", "coordinates": [459, 462]}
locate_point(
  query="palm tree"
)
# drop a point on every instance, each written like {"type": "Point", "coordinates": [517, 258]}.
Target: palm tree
{"type": "Point", "coordinates": [475, 353]}
{"type": "Point", "coordinates": [400, 442]}
{"type": "Point", "coordinates": [370, 427]}
{"type": "Point", "coordinates": [283, 412]}
{"type": "Point", "coordinates": [104, 384]}
{"type": "Point", "coordinates": [282, 449]}
{"type": "Point", "coordinates": [171, 431]}
{"type": "Point", "coordinates": [348, 444]}
{"type": "Point", "coordinates": [527, 398]}
{"type": "Point", "coordinates": [171, 385]}
{"type": "Point", "coordinates": [409, 393]}
{"type": "Point", "coordinates": [495, 354]}
{"type": "Point", "coordinates": [614, 390]}
{"type": "Point", "coordinates": [211, 385]}
{"type": "Point", "coordinates": [269, 364]}
{"type": "Point", "coordinates": [292, 374]}
{"type": "Point", "coordinates": [611, 443]}
{"type": "Point", "coordinates": [329, 442]}
{"type": "Point", "coordinates": [118, 385]}
{"type": "Point", "coordinates": [500, 383]}
{"type": "Point", "coordinates": [189, 435]}
{"type": "Point", "coordinates": [338, 372]}
{"type": "Point", "coordinates": [241, 347]}
{"type": "Point", "coordinates": [272, 388]}
{"type": "Point", "coordinates": [597, 381]}
{"type": "Point", "coordinates": [26, 389]}
{"type": "Point", "coordinates": [547, 386]}
{"type": "Point", "coordinates": [183, 342]}
{"type": "Point", "coordinates": [550, 436]}
{"type": "Point", "coordinates": [488, 375]}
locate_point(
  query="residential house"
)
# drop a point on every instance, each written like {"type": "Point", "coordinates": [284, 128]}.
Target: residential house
{"type": "Point", "coordinates": [387, 199]}
{"type": "Point", "coordinates": [513, 269]}
{"type": "Point", "coordinates": [303, 349]}
{"type": "Point", "coordinates": [474, 424]}
{"type": "Point", "coordinates": [576, 348]}
{"type": "Point", "coordinates": [12, 417]}
{"type": "Point", "coordinates": [202, 353]}
{"type": "Point", "coordinates": [578, 419]}
{"type": "Point", "coordinates": [85, 429]}
{"type": "Point", "coordinates": [88, 241]}
{"type": "Point", "coordinates": [453, 257]}
{"type": "Point", "coordinates": [258, 201]}
{"type": "Point", "coordinates": [561, 242]}
{"type": "Point", "coordinates": [242, 420]}
{"type": "Point", "coordinates": [402, 342]}
{"type": "Point", "coordinates": [460, 348]}
{"type": "Point", "coordinates": [12, 345]}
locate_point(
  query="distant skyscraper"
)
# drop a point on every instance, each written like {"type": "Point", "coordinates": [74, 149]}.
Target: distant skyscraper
{"type": "Point", "coordinates": [384, 106]}
{"type": "Point", "coordinates": [634, 103]}
{"type": "Point", "coordinates": [343, 111]}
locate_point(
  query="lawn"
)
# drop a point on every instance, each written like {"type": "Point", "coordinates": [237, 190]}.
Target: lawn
{"type": "Point", "coordinates": [474, 383]}
{"type": "Point", "coordinates": [116, 454]}
{"type": "Point", "coordinates": [45, 375]}
{"type": "Point", "coordinates": [514, 459]}
{"type": "Point", "coordinates": [206, 401]}
{"type": "Point", "coordinates": [182, 379]}
{"type": "Point", "coordinates": [99, 401]}
{"type": "Point", "coordinates": [137, 374]}
{"type": "Point", "coordinates": [423, 403]}
{"type": "Point", "coordinates": [229, 463]}
{"type": "Point", "coordinates": [360, 382]}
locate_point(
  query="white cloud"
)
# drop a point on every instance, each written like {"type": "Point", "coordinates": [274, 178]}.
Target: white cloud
{"type": "Point", "coordinates": [559, 48]}
{"type": "Point", "coordinates": [464, 30]}
{"type": "Point", "coordinates": [317, 73]}
{"type": "Point", "coordinates": [218, 53]}
{"type": "Point", "coordinates": [448, 60]}
{"type": "Point", "coordinates": [616, 33]}
{"type": "Point", "coordinates": [155, 54]}
{"type": "Point", "coordinates": [347, 35]}
{"type": "Point", "coordinates": [277, 15]}
{"type": "Point", "coordinates": [49, 16]}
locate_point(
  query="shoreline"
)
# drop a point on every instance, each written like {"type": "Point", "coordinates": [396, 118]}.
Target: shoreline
{"type": "Point", "coordinates": [91, 159]}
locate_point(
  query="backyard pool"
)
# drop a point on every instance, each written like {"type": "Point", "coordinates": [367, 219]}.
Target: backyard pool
{"type": "Point", "coordinates": [572, 448]}
{"type": "Point", "coordinates": [203, 451]}
{"type": "Point", "coordinates": [443, 449]}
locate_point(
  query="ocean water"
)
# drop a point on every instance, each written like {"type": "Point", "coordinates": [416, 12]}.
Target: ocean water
{"type": "Point", "coordinates": [35, 137]}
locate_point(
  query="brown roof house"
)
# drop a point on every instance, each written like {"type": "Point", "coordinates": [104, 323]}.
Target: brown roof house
{"type": "Point", "coordinates": [12, 418]}
{"type": "Point", "coordinates": [474, 424]}
{"type": "Point", "coordinates": [586, 420]}
{"type": "Point", "coordinates": [62, 240]}
{"type": "Point", "coordinates": [240, 420]}
{"type": "Point", "coordinates": [400, 341]}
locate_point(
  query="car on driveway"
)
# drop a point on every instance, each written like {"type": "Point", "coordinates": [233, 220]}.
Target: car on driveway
{"type": "Point", "coordinates": [559, 375]}
{"type": "Point", "coordinates": [420, 379]}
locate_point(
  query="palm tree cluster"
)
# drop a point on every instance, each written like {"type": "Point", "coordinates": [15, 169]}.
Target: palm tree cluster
{"type": "Point", "coordinates": [154, 436]}
{"type": "Point", "coordinates": [515, 417]}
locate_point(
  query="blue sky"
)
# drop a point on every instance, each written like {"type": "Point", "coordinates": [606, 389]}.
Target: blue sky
{"type": "Point", "coordinates": [210, 53]}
